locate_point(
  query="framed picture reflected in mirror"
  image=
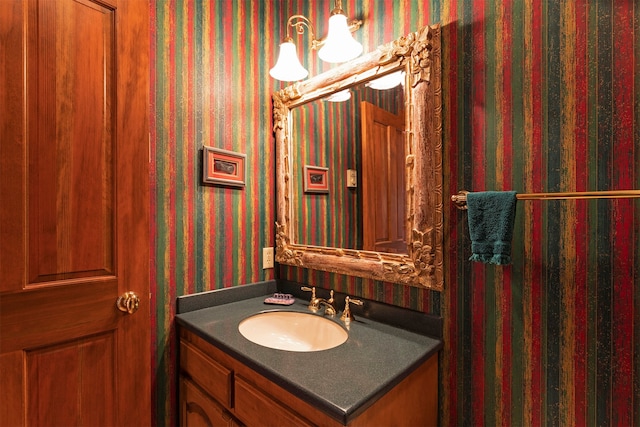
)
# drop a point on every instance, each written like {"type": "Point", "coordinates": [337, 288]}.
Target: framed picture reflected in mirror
{"type": "Point", "coordinates": [316, 179]}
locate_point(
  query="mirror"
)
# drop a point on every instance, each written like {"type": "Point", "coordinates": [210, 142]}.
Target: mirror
{"type": "Point", "coordinates": [366, 212]}
{"type": "Point", "coordinates": [389, 225]}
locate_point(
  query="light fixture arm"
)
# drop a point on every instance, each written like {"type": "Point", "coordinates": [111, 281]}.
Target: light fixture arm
{"type": "Point", "coordinates": [337, 8]}
{"type": "Point", "coordinates": [299, 22]}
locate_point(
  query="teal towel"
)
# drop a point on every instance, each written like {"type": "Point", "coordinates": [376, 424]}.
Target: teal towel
{"type": "Point", "coordinates": [491, 217]}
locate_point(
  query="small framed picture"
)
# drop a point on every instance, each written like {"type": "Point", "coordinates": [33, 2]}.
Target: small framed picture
{"type": "Point", "coordinates": [316, 179]}
{"type": "Point", "coordinates": [223, 167]}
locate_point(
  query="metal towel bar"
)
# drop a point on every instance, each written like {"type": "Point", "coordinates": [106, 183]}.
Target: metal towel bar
{"type": "Point", "coordinates": [460, 199]}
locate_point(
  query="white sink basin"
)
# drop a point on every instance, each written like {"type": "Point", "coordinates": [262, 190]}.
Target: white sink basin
{"type": "Point", "coordinates": [293, 331]}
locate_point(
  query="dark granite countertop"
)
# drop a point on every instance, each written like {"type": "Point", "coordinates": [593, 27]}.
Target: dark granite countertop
{"type": "Point", "coordinates": [342, 381]}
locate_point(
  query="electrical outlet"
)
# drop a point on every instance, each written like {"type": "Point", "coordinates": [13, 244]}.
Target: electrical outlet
{"type": "Point", "coordinates": [267, 258]}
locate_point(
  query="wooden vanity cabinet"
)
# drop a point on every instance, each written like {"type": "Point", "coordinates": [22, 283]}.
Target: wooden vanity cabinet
{"type": "Point", "coordinates": [199, 409]}
{"type": "Point", "coordinates": [217, 390]}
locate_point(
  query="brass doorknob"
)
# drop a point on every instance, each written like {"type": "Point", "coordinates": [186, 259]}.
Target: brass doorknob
{"type": "Point", "coordinates": [128, 302]}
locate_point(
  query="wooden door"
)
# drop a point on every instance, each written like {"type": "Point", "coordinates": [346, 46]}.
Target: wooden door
{"type": "Point", "coordinates": [74, 216]}
{"type": "Point", "coordinates": [383, 186]}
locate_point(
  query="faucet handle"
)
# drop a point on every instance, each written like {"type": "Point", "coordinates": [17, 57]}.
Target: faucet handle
{"type": "Point", "coordinates": [347, 317]}
{"type": "Point", "coordinates": [314, 303]}
{"type": "Point", "coordinates": [308, 289]}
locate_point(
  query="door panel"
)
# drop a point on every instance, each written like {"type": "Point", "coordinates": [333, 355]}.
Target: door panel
{"type": "Point", "coordinates": [383, 166]}
{"type": "Point", "coordinates": [74, 231]}
{"type": "Point", "coordinates": [13, 146]}
{"type": "Point", "coordinates": [58, 372]}
{"type": "Point", "coordinates": [71, 143]}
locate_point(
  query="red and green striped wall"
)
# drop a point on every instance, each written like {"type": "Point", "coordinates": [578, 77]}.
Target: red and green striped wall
{"type": "Point", "coordinates": [538, 96]}
{"type": "Point", "coordinates": [209, 87]}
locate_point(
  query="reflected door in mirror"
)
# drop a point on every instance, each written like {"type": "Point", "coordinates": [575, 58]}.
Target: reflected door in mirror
{"type": "Point", "coordinates": [383, 167]}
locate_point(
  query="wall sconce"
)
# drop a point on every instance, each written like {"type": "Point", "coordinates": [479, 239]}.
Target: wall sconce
{"type": "Point", "coordinates": [339, 46]}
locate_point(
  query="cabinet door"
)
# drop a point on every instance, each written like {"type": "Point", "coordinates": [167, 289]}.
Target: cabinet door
{"type": "Point", "coordinates": [199, 410]}
{"type": "Point", "coordinates": [74, 215]}
{"type": "Point", "coordinates": [213, 377]}
{"type": "Point", "coordinates": [257, 409]}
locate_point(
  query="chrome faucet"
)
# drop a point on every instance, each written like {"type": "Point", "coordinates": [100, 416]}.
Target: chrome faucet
{"type": "Point", "coordinates": [316, 303]}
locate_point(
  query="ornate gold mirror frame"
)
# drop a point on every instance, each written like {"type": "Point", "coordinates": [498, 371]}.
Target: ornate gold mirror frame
{"type": "Point", "coordinates": [418, 54]}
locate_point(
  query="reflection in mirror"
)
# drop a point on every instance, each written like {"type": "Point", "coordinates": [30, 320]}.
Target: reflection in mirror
{"type": "Point", "coordinates": [329, 133]}
{"type": "Point", "coordinates": [388, 225]}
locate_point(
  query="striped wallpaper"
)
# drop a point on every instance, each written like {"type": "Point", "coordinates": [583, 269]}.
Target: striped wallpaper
{"type": "Point", "coordinates": [208, 88]}
{"type": "Point", "coordinates": [538, 96]}
{"type": "Point", "coordinates": [543, 96]}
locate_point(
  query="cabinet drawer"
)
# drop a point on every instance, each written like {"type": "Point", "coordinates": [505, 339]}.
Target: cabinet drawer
{"type": "Point", "coordinates": [197, 409]}
{"type": "Point", "coordinates": [255, 408]}
{"type": "Point", "coordinates": [214, 378]}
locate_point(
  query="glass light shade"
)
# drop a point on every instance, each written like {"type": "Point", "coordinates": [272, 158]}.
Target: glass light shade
{"type": "Point", "coordinates": [387, 82]}
{"type": "Point", "coordinates": [339, 46]}
{"type": "Point", "coordinates": [288, 67]}
{"type": "Point", "coordinates": [343, 95]}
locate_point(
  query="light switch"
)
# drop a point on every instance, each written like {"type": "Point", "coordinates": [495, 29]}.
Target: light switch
{"type": "Point", "coordinates": [352, 178]}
